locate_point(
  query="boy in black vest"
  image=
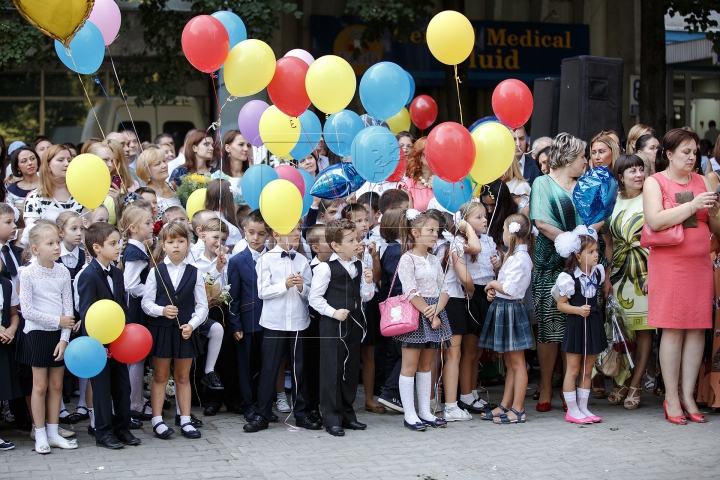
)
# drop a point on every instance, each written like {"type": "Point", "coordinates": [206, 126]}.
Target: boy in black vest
{"type": "Point", "coordinates": [111, 387]}
{"type": "Point", "coordinates": [338, 289]}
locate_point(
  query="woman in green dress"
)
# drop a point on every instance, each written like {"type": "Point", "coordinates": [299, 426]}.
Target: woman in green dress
{"type": "Point", "coordinates": [629, 270]}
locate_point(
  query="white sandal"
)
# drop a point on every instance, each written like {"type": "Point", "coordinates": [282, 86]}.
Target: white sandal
{"type": "Point", "coordinates": [632, 401]}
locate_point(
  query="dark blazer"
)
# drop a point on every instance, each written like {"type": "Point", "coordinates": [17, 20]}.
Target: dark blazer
{"type": "Point", "coordinates": [246, 307]}
{"type": "Point", "coordinates": [389, 262]}
{"type": "Point", "coordinates": [530, 171]}
{"type": "Point", "coordinates": [91, 287]}
{"type": "Point", "coordinates": [17, 252]}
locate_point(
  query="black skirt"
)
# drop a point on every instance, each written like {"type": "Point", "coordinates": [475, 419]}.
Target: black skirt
{"type": "Point", "coordinates": [477, 312]}
{"type": "Point", "coordinates": [38, 348]}
{"type": "Point", "coordinates": [584, 336]}
{"type": "Point", "coordinates": [9, 382]}
{"type": "Point", "coordinates": [135, 311]}
{"type": "Point", "coordinates": [457, 314]}
{"type": "Point", "coordinates": [169, 343]}
{"type": "Point", "coordinates": [372, 318]}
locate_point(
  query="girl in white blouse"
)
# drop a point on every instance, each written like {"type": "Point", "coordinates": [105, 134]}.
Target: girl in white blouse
{"type": "Point", "coordinates": [507, 328]}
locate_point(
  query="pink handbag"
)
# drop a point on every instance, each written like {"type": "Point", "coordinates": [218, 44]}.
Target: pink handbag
{"type": "Point", "coordinates": [397, 314]}
{"type": "Point", "coordinates": [663, 238]}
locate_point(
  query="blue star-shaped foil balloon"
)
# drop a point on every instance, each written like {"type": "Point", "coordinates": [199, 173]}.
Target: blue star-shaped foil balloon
{"type": "Point", "coordinates": [337, 181]}
{"type": "Point", "coordinates": [595, 195]}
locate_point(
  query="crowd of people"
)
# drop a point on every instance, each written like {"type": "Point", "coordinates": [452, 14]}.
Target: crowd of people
{"type": "Point", "coordinates": [511, 272]}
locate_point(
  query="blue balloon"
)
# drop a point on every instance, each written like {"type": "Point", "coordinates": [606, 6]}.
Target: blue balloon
{"type": "Point", "coordinates": [308, 198]}
{"type": "Point", "coordinates": [375, 153]}
{"type": "Point", "coordinates": [452, 195]}
{"type": "Point", "coordinates": [384, 89]}
{"type": "Point", "coordinates": [412, 88]}
{"type": "Point", "coordinates": [87, 49]}
{"type": "Point", "coordinates": [310, 134]}
{"type": "Point", "coordinates": [85, 357]}
{"type": "Point", "coordinates": [477, 123]}
{"type": "Point", "coordinates": [337, 181]}
{"type": "Point", "coordinates": [595, 194]}
{"type": "Point", "coordinates": [253, 182]}
{"type": "Point", "coordinates": [234, 25]}
{"type": "Point", "coordinates": [340, 131]}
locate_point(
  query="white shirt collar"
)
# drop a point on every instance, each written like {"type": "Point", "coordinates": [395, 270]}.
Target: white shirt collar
{"type": "Point", "coordinates": [138, 244]}
{"type": "Point", "coordinates": [335, 256]}
{"type": "Point", "coordinates": [521, 163]}
{"type": "Point", "coordinates": [521, 248]}
{"type": "Point", "coordinates": [577, 273]}
{"type": "Point", "coordinates": [107, 269]}
{"type": "Point", "coordinates": [64, 251]}
{"type": "Point", "coordinates": [169, 262]}
{"type": "Point", "coordinates": [255, 254]}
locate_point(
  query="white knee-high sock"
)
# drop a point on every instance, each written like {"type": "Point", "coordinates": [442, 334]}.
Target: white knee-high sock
{"type": "Point", "coordinates": [215, 338]}
{"type": "Point", "coordinates": [135, 371]}
{"type": "Point", "coordinates": [571, 401]}
{"type": "Point", "coordinates": [91, 412]}
{"type": "Point", "coordinates": [82, 387]}
{"type": "Point", "coordinates": [583, 394]}
{"type": "Point", "coordinates": [406, 385]}
{"type": "Point", "coordinates": [423, 382]}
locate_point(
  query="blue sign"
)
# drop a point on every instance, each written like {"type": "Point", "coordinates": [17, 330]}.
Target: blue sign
{"type": "Point", "coordinates": [502, 49]}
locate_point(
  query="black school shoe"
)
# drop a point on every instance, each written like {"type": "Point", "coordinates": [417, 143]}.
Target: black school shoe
{"type": "Point", "coordinates": [194, 421]}
{"type": "Point", "coordinates": [308, 422]}
{"type": "Point", "coordinates": [110, 442]}
{"type": "Point", "coordinates": [212, 381]}
{"type": "Point", "coordinates": [135, 424]}
{"type": "Point", "coordinates": [192, 434]}
{"type": "Point", "coordinates": [128, 438]}
{"type": "Point", "coordinates": [258, 423]}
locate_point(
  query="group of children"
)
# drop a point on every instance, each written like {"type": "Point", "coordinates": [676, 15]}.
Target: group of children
{"type": "Point", "coordinates": [306, 299]}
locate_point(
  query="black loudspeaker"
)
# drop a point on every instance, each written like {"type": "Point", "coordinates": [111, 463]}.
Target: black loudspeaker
{"type": "Point", "coordinates": [590, 96]}
{"type": "Point", "coordinates": [546, 105]}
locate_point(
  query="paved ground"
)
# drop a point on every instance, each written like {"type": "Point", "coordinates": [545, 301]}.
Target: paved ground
{"type": "Point", "coordinates": [634, 445]}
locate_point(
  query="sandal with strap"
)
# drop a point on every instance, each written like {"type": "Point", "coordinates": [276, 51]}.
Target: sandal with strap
{"type": "Point", "coordinates": [84, 415]}
{"type": "Point", "coordinates": [70, 419]}
{"type": "Point", "coordinates": [166, 434]}
{"type": "Point", "coordinates": [190, 433]}
{"type": "Point", "coordinates": [488, 415]}
{"type": "Point", "coordinates": [632, 401]}
{"type": "Point", "coordinates": [505, 419]}
{"type": "Point", "coordinates": [617, 395]}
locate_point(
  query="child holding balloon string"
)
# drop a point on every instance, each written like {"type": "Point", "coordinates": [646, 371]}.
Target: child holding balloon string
{"type": "Point", "coordinates": [46, 295]}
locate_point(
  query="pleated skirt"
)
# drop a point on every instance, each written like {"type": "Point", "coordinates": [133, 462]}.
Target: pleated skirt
{"type": "Point", "coordinates": [507, 328]}
{"type": "Point", "coordinates": [38, 348]}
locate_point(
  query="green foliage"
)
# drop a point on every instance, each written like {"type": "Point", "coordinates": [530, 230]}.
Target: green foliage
{"type": "Point", "coordinates": [18, 38]}
{"type": "Point", "coordinates": [398, 16]}
{"type": "Point", "coordinates": [697, 16]}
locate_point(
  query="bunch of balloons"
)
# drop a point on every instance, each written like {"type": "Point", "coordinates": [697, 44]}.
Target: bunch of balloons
{"type": "Point", "coordinates": [86, 357]}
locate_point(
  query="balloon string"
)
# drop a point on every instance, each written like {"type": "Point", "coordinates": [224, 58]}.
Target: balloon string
{"type": "Point", "coordinates": [92, 108]}
{"type": "Point", "coordinates": [122, 94]}
{"type": "Point", "coordinates": [457, 86]}
{"type": "Point", "coordinates": [218, 142]}
{"type": "Point", "coordinates": [167, 292]}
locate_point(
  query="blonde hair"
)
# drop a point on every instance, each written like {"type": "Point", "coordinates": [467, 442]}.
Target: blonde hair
{"type": "Point", "coordinates": [132, 215]}
{"type": "Point", "coordinates": [214, 225]}
{"type": "Point", "coordinates": [607, 140]}
{"type": "Point", "coordinates": [467, 209]}
{"type": "Point", "coordinates": [148, 158]}
{"type": "Point", "coordinates": [64, 218]}
{"type": "Point", "coordinates": [514, 172]}
{"type": "Point", "coordinates": [119, 159]}
{"type": "Point", "coordinates": [46, 189]}
{"type": "Point", "coordinates": [170, 231]}
{"type": "Point", "coordinates": [636, 132]}
{"type": "Point", "coordinates": [38, 231]}
{"type": "Point", "coordinates": [564, 149]}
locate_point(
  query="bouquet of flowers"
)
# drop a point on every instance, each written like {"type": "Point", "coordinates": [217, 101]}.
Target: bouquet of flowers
{"type": "Point", "coordinates": [216, 295]}
{"type": "Point", "coordinates": [190, 183]}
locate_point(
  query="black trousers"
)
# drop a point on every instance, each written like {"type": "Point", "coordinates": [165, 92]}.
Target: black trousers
{"type": "Point", "coordinates": [340, 360]}
{"type": "Point", "coordinates": [111, 388]}
{"type": "Point", "coordinates": [275, 343]}
{"type": "Point", "coordinates": [312, 363]}
{"type": "Point", "coordinates": [392, 368]}
{"type": "Point", "coordinates": [249, 365]}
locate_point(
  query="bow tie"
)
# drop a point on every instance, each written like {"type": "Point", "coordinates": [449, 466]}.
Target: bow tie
{"type": "Point", "coordinates": [108, 273]}
{"type": "Point", "coordinates": [290, 254]}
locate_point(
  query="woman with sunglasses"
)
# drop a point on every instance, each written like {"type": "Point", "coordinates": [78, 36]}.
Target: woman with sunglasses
{"type": "Point", "coordinates": [199, 157]}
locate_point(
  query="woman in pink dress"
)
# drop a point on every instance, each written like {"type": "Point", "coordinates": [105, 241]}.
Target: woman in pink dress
{"type": "Point", "coordinates": [419, 177]}
{"type": "Point", "coordinates": [682, 314]}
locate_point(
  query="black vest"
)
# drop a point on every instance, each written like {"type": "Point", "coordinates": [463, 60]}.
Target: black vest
{"type": "Point", "coordinates": [343, 291]}
{"type": "Point", "coordinates": [183, 298]}
{"type": "Point", "coordinates": [7, 300]}
{"type": "Point", "coordinates": [80, 264]}
{"type": "Point", "coordinates": [578, 299]}
{"type": "Point", "coordinates": [133, 253]}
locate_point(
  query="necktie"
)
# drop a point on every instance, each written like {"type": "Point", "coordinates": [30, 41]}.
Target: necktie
{"type": "Point", "coordinates": [8, 261]}
{"type": "Point", "coordinates": [290, 254]}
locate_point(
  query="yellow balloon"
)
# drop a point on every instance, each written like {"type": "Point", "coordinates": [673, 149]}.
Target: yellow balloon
{"type": "Point", "coordinates": [249, 67]}
{"type": "Point", "coordinates": [281, 205]}
{"type": "Point", "coordinates": [105, 321]}
{"type": "Point", "coordinates": [196, 202]}
{"type": "Point", "coordinates": [400, 122]}
{"type": "Point", "coordinates": [330, 83]}
{"type": "Point", "coordinates": [450, 37]}
{"type": "Point", "coordinates": [279, 132]}
{"type": "Point", "coordinates": [88, 180]}
{"type": "Point", "coordinates": [494, 152]}
{"type": "Point", "coordinates": [58, 19]}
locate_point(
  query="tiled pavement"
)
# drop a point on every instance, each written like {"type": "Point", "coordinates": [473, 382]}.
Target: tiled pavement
{"type": "Point", "coordinates": [626, 445]}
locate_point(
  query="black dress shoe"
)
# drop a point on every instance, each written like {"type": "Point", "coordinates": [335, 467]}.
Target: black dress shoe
{"type": "Point", "coordinates": [272, 417]}
{"type": "Point", "coordinates": [315, 417]}
{"type": "Point", "coordinates": [469, 408]}
{"type": "Point", "coordinates": [166, 434]}
{"type": "Point", "coordinates": [335, 431]}
{"type": "Point", "coordinates": [212, 381]}
{"type": "Point", "coordinates": [110, 442]}
{"type": "Point", "coordinates": [354, 425]}
{"type": "Point", "coordinates": [190, 433]}
{"type": "Point", "coordinates": [128, 438]}
{"type": "Point", "coordinates": [258, 423]}
{"type": "Point", "coordinates": [91, 431]}
{"type": "Point", "coordinates": [194, 421]}
{"type": "Point", "coordinates": [309, 423]}
{"type": "Point", "coordinates": [135, 424]}
{"type": "Point", "coordinates": [210, 411]}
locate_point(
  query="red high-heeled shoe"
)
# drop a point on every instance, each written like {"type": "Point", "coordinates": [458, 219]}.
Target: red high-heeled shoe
{"type": "Point", "coordinates": [545, 406]}
{"type": "Point", "coordinates": [679, 420]}
{"type": "Point", "coordinates": [694, 417]}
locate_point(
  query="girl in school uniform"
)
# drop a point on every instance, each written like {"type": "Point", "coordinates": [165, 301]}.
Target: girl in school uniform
{"type": "Point", "coordinates": [176, 302]}
{"type": "Point", "coordinates": [9, 381]}
{"type": "Point", "coordinates": [47, 300]}
{"type": "Point", "coordinates": [136, 225]}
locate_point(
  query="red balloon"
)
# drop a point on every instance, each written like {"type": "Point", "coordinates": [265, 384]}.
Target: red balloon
{"type": "Point", "coordinates": [399, 172]}
{"type": "Point", "coordinates": [423, 111]}
{"type": "Point", "coordinates": [287, 88]}
{"type": "Point", "coordinates": [206, 43]}
{"type": "Point", "coordinates": [133, 344]}
{"type": "Point", "coordinates": [512, 103]}
{"type": "Point", "coordinates": [450, 151]}
{"type": "Point", "coordinates": [291, 174]}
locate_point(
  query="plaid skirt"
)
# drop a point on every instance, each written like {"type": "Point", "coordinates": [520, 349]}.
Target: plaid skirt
{"type": "Point", "coordinates": [507, 327]}
{"type": "Point", "coordinates": [426, 337]}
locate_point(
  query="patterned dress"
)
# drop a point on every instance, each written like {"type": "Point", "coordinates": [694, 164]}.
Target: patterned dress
{"type": "Point", "coordinates": [629, 263]}
{"type": "Point", "coordinates": [551, 204]}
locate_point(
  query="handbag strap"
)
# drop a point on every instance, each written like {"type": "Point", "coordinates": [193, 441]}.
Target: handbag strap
{"type": "Point", "coordinates": [392, 284]}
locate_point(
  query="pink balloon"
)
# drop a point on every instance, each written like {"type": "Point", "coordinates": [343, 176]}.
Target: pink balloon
{"type": "Point", "coordinates": [291, 174]}
{"type": "Point", "coordinates": [302, 55]}
{"type": "Point", "coordinates": [106, 16]}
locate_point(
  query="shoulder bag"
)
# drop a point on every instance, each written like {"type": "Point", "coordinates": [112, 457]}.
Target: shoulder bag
{"type": "Point", "coordinates": [663, 238]}
{"type": "Point", "coordinates": [397, 314]}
